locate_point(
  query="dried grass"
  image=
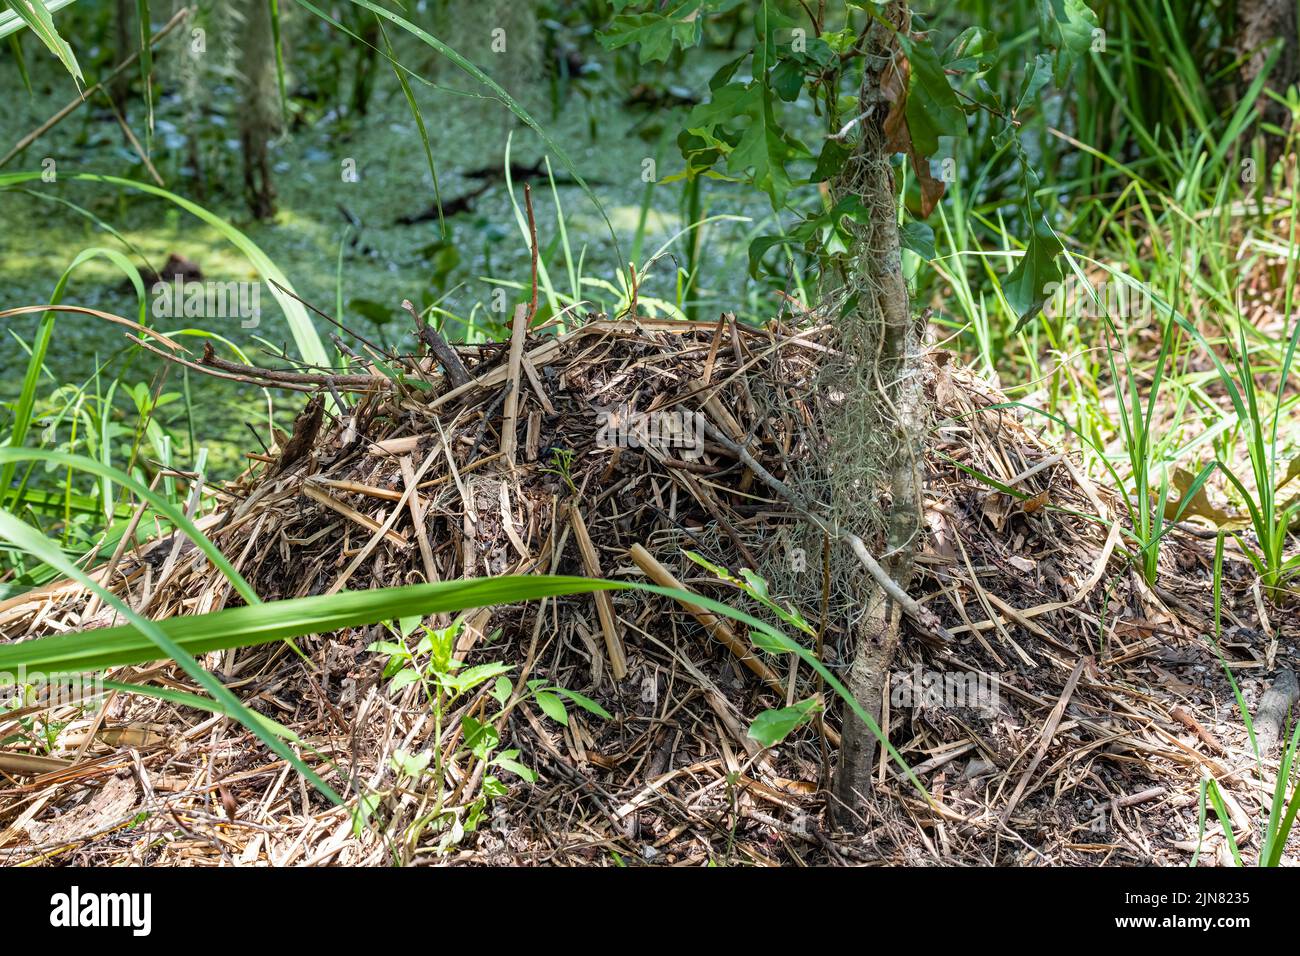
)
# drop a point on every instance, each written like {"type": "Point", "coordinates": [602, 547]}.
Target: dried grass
{"type": "Point", "coordinates": [1082, 759]}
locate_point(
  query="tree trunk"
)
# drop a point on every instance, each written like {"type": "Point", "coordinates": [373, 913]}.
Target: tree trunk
{"type": "Point", "coordinates": [119, 90]}
{"type": "Point", "coordinates": [1262, 22]}
{"type": "Point", "coordinates": [363, 73]}
{"type": "Point", "coordinates": [875, 433]}
{"type": "Point", "coordinates": [260, 116]}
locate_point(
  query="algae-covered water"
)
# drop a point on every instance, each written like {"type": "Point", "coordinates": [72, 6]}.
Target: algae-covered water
{"type": "Point", "coordinates": [335, 235]}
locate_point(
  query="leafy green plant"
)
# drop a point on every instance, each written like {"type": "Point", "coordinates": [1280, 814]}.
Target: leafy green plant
{"type": "Point", "coordinates": [774, 725]}
{"type": "Point", "coordinates": [33, 727]}
{"type": "Point", "coordinates": [444, 682]}
{"type": "Point", "coordinates": [1149, 443]}
{"type": "Point", "coordinates": [28, 393]}
{"type": "Point", "coordinates": [742, 132]}
{"type": "Point", "coordinates": [1270, 517]}
{"type": "Point", "coordinates": [561, 466]}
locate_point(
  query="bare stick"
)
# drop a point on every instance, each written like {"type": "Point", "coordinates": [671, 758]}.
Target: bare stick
{"type": "Point", "coordinates": [333, 321]}
{"type": "Point", "coordinates": [135, 143]}
{"type": "Point", "coordinates": [1273, 708]}
{"type": "Point", "coordinates": [532, 234]}
{"type": "Point", "coordinates": [511, 415]}
{"type": "Point", "coordinates": [715, 625]}
{"type": "Point", "coordinates": [281, 376]}
{"type": "Point", "coordinates": [457, 374]}
{"type": "Point", "coordinates": [206, 370]}
{"type": "Point", "coordinates": [417, 518]}
{"type": "Point", "coordinates": [1045, 738]}
{"type": "Point", "coordinates": [719, 629]}
{"type": "Point", "coordinates": [604, 604]}
{"type": "Point", "coordinates": [106, 316]}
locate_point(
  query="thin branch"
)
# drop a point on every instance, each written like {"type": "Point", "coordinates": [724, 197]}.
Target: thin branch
{"type": "Point", "coordinates": [457, 374]}
{"type": "Point", "coordinates": [532, 233]}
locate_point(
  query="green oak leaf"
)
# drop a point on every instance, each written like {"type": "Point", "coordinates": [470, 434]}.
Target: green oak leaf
{"type": "Point", "coordinates": [918, 237]}
{"type": "Point", "coordinates": [1037, 75]}
{"type": "Point", "coordinates": [831, 160]}
{"type": "Point", "coordinates": [656, 33]}
{"type": "Point", "coordinates": [787, 80]}
{"type": "Point", "coordinates": [763, 148]}
{"type": "Point", "coordinates": [1029, 285]}
{"type": "Point", "coordinates": [974, 50]}
{"type": "Point", "coordinates": [932, 106]}
{"type": "Point", "coordinates": [1066, 26]}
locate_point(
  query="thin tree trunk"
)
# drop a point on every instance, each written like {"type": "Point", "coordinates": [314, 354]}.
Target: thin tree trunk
{"type": "Point", "coordinates": [260, 116]}
{"type": "Point", "coordinates": [120, 89]}
{"type": "Point", "coordinates": [363, 73]}
{"type": "Point", "coordinates": [882, 341]}
{"type": "Point", "coordinates": [1262, 23]}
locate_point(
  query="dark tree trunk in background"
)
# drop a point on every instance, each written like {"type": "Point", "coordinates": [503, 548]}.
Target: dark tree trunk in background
{"type": "Point", "coordinates": [260, 115]}
{"type": "Point", "coordinates": [123, 36]}
{"type": "Point", "coordinates": [363, 74]}
{"type": "Point", "coordinates": [875, 433]}
{"type": "Point", "coordinates": [1261, 23]}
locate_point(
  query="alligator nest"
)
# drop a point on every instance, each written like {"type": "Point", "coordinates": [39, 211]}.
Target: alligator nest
{"type": "Point", "coordinates": [1095, 704]}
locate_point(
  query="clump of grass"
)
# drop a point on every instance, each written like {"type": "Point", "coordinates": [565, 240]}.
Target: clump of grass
{"type": "Point", "coordinates": [1279, 820]}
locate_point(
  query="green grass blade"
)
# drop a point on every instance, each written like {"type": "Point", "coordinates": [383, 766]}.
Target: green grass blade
{"type": "Point", "coordinates": [185, 699]}
{"type": "Point", "coordinates": [279, 620]}
{"type": "Point", "coordinates": [11, 22]}
{"type": "Point", "coordinates": [304, 333]}
{"type": "Point", "coordinates": [36, 17]}
{"type": "Point", "coordinates": [419, 124]}
{"type": "Point", "coordinates": [16, 48]}
{"type": "Point", "coordinates": [257, 624]}
{"type": "Point", "coordinates": [40, 347]}
{"type": "Point", "coordinates": [146, 65]}
{"type": "Point", "coordinates": [159, 502]}
{"type": "Point", "coordinates": [32, 541]}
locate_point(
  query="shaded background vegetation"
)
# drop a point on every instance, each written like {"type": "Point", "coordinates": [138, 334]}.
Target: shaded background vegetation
{"type": "Point", "coordinates": [1143, 148]}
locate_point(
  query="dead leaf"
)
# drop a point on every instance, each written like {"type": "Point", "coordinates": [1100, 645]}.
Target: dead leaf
{"type": "Point", "coordinates": [893, 88]}
{"type": "Point", "coordinates": [1033, 504]}
{"type": "Point", "coordinates": [942, 534]}
{"type": "Point", "coordinates": [898, 135]}
{"type": "Point", "coordinates": [945, 392]}
{"type": "Point", "coordinates": [996, 508]}
{"type": "Point", "coordinates": [1199, 505]}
